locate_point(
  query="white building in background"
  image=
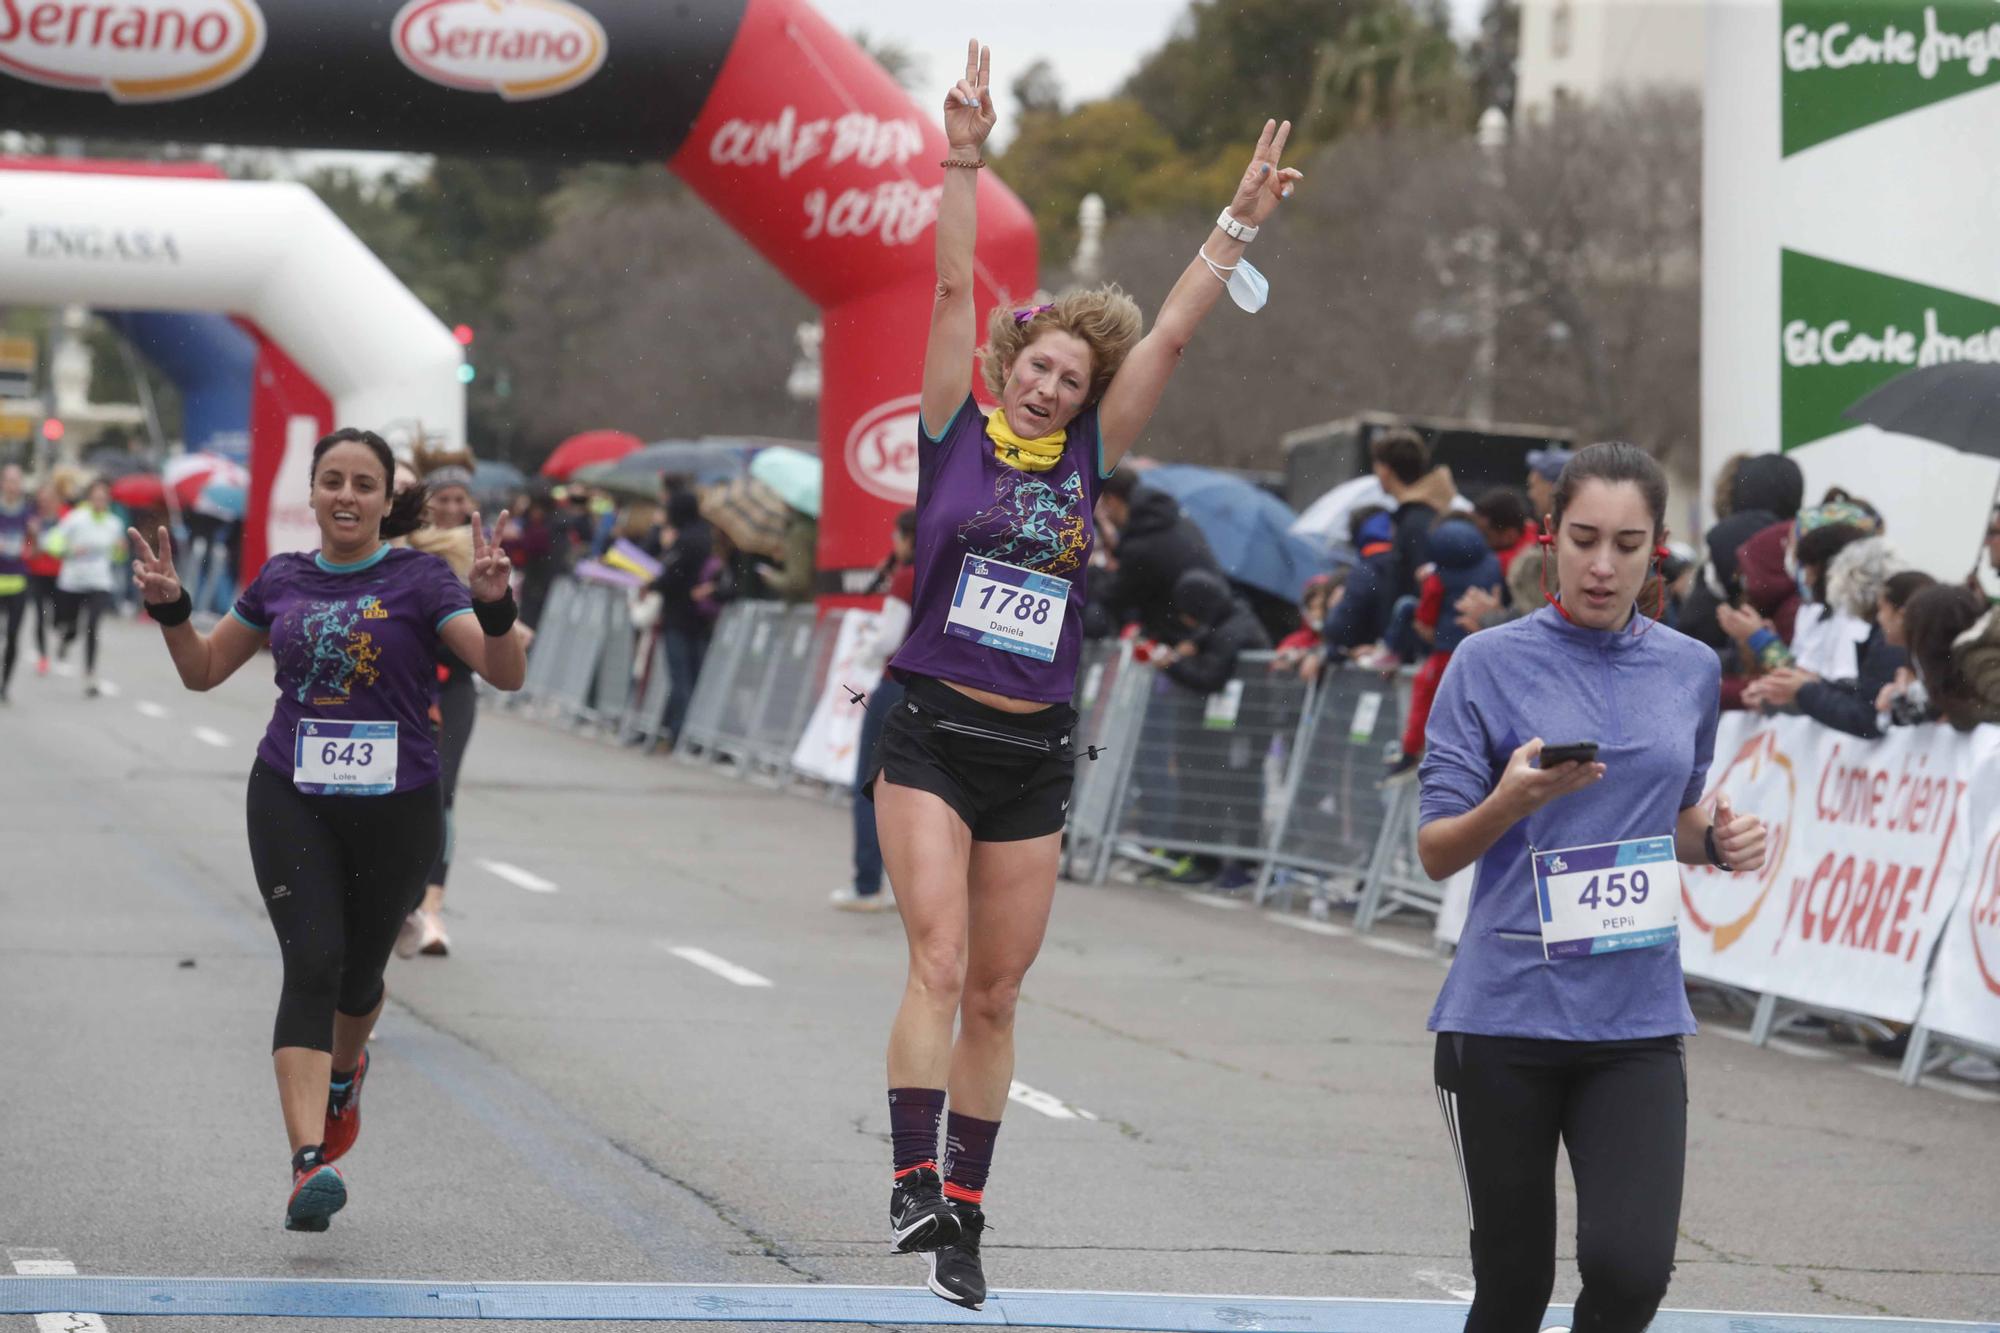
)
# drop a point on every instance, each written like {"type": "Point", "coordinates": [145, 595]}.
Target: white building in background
{"type": "Point", "coordinates": [1582, 49]}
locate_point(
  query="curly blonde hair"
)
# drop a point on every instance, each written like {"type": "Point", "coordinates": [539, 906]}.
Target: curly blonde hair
{"type": "Point", "coordinates": [1105, 318]}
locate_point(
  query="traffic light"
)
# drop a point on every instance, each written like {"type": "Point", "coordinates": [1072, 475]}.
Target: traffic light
{"type": "Point", "coordinates": [466, 374]}
{"type": "Point", "coordinates": [463, 332]}
{"type": "Point", "coordinates": [52, 430]}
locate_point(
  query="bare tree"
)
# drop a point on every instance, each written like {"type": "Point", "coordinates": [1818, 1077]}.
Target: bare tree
{"type": "Point", "coordinates": [641, 311]}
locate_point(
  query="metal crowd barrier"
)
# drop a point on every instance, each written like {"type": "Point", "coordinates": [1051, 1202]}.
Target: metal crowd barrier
{"type": "Point", "coordinates": [1335, 807]}
{"type": "Point", "coordinates": [1282, 778]}
{"type": "Point", "coordinates": [728, 649]}
{"type": "Point", "coordinates": [1207, 771]}
{"type": "Point", "coordinates": [1109, 685]}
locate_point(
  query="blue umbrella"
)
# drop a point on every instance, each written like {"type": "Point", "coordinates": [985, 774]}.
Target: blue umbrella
{"type": "Point", "coordinates": [1249, 529]}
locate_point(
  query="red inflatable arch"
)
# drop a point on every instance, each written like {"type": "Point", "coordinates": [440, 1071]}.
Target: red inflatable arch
{"type": "Point", "coordinates": [783, 125]}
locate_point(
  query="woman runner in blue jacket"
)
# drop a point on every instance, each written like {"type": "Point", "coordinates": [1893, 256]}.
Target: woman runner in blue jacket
{"type": "Point", "coordinates": [1564, 1013]}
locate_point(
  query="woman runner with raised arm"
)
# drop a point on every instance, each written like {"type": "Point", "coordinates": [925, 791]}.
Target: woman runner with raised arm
{"type": "Point", "coordinates": [972, 773]}
{"type": "Point", "coordinates": [1564, 1013]}
{"type": "Point", "coordinates": [344, 813]}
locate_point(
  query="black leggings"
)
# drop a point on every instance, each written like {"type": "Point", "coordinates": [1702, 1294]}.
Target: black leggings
{"type": "Point", "coordinates": [42, 592]}
{"type": "Point", "coordinates": [1620, 1108]}
{"type": "Point", "coordinates": [12, 607]}
{"type": "Point", "coordinates": [338, 874]}
{"type": "Point", "coordinates": [458, 709]}
{"type": "Point", "coordinates": [87, 609]}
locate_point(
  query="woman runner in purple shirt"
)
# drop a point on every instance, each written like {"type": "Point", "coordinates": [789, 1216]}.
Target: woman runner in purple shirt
{"type": "Point", "coordinates": [971, 778]}
{"type": "Point", "coordinates": [344, 813]}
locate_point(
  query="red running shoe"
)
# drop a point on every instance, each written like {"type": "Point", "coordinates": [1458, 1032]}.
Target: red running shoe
{"type": "Point", "coordinates": [343, 1117]}
{"type": "Point", "coordinates": [318, 1192]}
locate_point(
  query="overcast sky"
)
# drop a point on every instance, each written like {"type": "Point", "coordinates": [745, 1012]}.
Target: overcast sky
{"type": "Point", "coordinates": [1093, 44]}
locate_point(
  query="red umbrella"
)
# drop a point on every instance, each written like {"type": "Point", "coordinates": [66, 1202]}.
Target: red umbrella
{"type": "Point", "coordinates": [140, 490]}
{"type": "Point", "coordinates": [593, 446]}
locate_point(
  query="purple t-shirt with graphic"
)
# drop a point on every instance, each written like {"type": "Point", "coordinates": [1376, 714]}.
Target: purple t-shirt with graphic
{"type": "Point", "coordinates": [356, 643]}
{"type": "Point", "coordinates": [970, 503]}
{"type": "Point", "coordinates": [14, 540]}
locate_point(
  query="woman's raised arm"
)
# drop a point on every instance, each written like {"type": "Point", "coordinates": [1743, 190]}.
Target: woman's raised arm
{"type": "Point", "coordinates": [968, 119]}
{"type": "Point", "coordinates": [1135, 391]}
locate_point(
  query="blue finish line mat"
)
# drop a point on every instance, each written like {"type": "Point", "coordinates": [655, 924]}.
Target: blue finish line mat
{"type": "Point", "coordinates": [816, 1304]}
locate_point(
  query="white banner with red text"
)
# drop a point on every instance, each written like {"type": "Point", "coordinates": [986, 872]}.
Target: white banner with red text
{"type": "Point", "coordinates": [1870, 850]}
{"type": "Point", "coordinates": [1964, 996]}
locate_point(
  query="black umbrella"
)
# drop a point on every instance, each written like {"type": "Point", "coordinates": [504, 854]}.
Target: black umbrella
{"type": "Point", "coordinates": [1956, 404]}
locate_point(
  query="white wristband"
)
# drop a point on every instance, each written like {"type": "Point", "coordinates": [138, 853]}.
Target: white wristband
{"type": "Point", "coordinates": [1239, 231]}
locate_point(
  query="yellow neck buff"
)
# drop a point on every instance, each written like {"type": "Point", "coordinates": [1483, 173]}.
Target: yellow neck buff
{"type": "Point", "coordinates": [1026, 455]}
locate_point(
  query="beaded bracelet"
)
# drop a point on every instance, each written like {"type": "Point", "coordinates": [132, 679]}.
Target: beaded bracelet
{"type": "Point", "coordinates": [954, 162]}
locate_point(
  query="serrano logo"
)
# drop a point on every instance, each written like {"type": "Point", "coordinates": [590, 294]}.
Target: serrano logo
{"type": "Point", "coordinates": [1759, 779]}
{"type": "Point", "coordinates": [1985, 917]}
{"type": "Point", "coordinates": [133, 50]}
{"type": "Point", "coordinates": [519, 49]}
{"type": "Point", "coordinates": [882, 451]}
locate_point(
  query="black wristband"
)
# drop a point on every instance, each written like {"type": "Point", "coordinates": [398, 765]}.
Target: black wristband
{"type": "Point", "coordinates": [1714, 852]}
{"type": "Point", "coordinates": [169, 614]}
{"type": "Point", "coordinates": [497, 618]}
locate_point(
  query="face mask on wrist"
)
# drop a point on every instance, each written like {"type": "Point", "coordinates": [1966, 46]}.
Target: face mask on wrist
{"type": "Point", "coordinates": [1248, 288]}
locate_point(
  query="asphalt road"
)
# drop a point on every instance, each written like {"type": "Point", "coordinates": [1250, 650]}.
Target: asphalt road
{"type": "Point", "coordinates": [1230, 1101]}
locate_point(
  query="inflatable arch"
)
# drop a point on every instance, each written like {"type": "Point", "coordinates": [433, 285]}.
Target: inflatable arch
{"type": "Point", "coordinates": [784, 126]}
{"type": "Point", "coordinates": [340, 337]}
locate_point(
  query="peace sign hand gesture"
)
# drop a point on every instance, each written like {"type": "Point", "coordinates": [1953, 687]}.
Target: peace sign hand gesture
{"type": "Point", "coordinates": [492, 571]}
{"type": "Point", "coordinates": [968, 107]}
{"type": "Point", "coordinates": [154, 574]}
{"type": "Point", "coordinates": [1264, 181]}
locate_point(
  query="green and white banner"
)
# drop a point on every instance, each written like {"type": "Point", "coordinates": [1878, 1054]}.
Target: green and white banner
{"type": "Point", "coordinates": [1851, 202]}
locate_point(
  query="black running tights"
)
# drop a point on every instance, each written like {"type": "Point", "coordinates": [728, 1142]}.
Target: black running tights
{"type": "Point", "coordinates": [1620, 1109]}
{"type": "Point", "coordinates": [338, 874]}
{"type": "Point", "coordinates": [12, 608]}
{"type": "Point", "coordinates": [458, 710]}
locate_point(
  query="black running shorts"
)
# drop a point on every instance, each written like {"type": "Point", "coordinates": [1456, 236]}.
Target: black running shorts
{"type": "Point", "coordinates": [1007, 775]}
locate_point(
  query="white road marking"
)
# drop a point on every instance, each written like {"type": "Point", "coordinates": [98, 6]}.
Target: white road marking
{"type": "Point", "coordinates": [722, 967]}
{"type": "Point", "coordinates": [524, 879]}
{"type": "Point", "coordinates": [210, 736]}
{"type": "Point", "coordinates": [1216, 901]}
{"type": "Point", "coordinates": [67, 670]}
{"type": "Point", "coordinates": [109, 689]}
{"type": "Point", "coordinates": [147, 708]}
{"type": "Point", "coordinates": [1400, 949]}
{"type": "Point", "coordinates": [1050, 1105]}
{"type": "Point", "coordinates": [1455, 1285]}
{"type": "Point", "coordinates": [1309, 925]}
{"type": "Point", "coordinates": [1778, 1044]}
{"type": "Point", "coordinates": [50, 1263]}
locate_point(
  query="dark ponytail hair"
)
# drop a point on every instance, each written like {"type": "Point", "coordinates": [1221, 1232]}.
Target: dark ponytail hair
{"type": "Point", "coordinates": [406, 507]}
{"type": "Point", "coordinates": [1613, 462]}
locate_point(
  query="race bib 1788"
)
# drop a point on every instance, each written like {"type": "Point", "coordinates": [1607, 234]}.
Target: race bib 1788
{"type": "Point", "coordinates": [1003, 606]}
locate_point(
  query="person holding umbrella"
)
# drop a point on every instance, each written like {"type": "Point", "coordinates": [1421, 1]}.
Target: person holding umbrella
{"type": "Point", "coordinates": [972, 777]}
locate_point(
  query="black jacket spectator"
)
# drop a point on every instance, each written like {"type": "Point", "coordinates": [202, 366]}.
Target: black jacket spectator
{"type": "Point", "coordinates": [1769, 489]}
{"type": "Point", "coordinates": [681, 564]}
{"type": "Point", "coordinates": [1225, 626]}
{"type": "Point", "coordinates": [1849, 705]}
{"type": "Point", "coordinates": [1361, 617]}
{"type": "Point", "coordinates": [1158, 545]}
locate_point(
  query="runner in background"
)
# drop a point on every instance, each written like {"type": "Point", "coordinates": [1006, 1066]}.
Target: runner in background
{"type": "Point", "coordinates": [17, 538]}
{"type": "Point", "coordinates": [447, 534]}
{"type": "Point", "coordinates": [50, 506]}
{"type": "Point", "coordinates": [88, 540]}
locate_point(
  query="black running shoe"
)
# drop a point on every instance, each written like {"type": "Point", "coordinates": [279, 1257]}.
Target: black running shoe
{"type": "Point", "coordinates": [919, 1214]}
{"type": "Point", "coordinates": [955, 1271]}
